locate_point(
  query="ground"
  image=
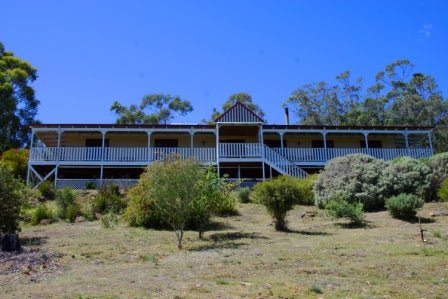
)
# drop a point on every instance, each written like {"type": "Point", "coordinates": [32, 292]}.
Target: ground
{"type": "Point", "coordinates": [242, 257]}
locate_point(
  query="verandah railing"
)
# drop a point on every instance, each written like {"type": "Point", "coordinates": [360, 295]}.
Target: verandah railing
{"type": "Point", "coordinates": [226, 150]}
{"type": "Point", "coordinates": [119, 154]}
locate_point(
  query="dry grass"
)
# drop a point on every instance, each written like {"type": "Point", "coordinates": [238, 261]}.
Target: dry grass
{"type": "Point", "coordinates": [242, 257]}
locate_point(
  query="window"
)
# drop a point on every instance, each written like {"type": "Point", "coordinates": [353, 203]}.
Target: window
{"type": "Point", "coordinates": [96, 142]}
{"type": "Point", "coordinates": [372, 144]}
{"type": "Point", "coordinates": [166, 143]}
{"type": "Point", "coordinates": [320, 143]}
{"type": "Point", "coordinates": [274, 143]}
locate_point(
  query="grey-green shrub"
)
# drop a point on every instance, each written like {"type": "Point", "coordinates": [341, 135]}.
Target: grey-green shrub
{"type": "Point", "coordinates": [278, 195]}
{"type": "Point", "coordinates": [67, 206]}
{"type": "Point", "coordinates": [243, 194]}
{"type": "Point", "coordinates": [407, 175]}
{"type": "Point", "coordinates": [355, 178]}
{"type": "Point", "coordinates": [340, 208]}
{"type": "Point", "coordinates": [404, 206]}
{"type": "Point", "coordinates": [305, 186]}
{"type": "Point", "coordinates": [442, 193]}
{"type": "Point", "coordinates": [108, 200]}
{"type": "Point", "coordinates": [439, 171]}
{"type": "Point", "coordinates": [40, 213]}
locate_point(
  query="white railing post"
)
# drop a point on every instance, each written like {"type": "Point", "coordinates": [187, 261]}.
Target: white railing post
{"type": "Point", "coordinates": [28, 172]}
{"type": "Point", "coordinates": [57, 157]}
{"type": "Point", "coordinates": [430, 141]}
{"type": "Point", "coordinates": [217, 149]}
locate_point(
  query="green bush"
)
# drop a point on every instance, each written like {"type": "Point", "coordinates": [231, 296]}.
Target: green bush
{"type": "Point", "coordinates": [340, 208]}
{"type": "Point", "coordinates": [356, 178]}
{"type": "Point", "coordinates": [67, 207]}
{"type": "Point", "coordinates": [47, 190]}
{"type": "Point", "coordinates": [306, 188]}
{"type": "Point", "coordinates": [439, 172]}
{"type": "Point", "coordinates": [109, 220]}
{"type": "Point", "coordinates": [404, 206]}
{"type": "Point", "coordinates": [278, 195]}
{"type": "Point", "coordinates": [108, 199]}
{"type": "Point", "coordinates": [90, 186]}
{"type": "Point", "coordinates": [243, 194]}
{"type": "Point", "coordinates": [17, 162]}
{"type": "Point", "coordinates": [41, 212]}
{"type": "Point", "coordinates": [12, 196]}
{"type": "Point", "coordinates": [406, 175]}
{"type": "Point", "coordinates": [442, 193]}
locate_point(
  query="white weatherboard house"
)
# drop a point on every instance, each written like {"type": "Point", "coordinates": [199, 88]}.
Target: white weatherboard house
{"type": "Point", "coordinates": [240, 144]}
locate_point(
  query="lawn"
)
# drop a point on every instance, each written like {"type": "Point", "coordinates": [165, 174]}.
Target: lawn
{"type": "Point", "coordinates": [242, 256]}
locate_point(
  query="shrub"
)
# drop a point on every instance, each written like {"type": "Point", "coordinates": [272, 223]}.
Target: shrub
{"type": "Point", "coordinates": [439, 172]}
{"type": "Point", "coordinates": [353, 177]}
{"type": "Point", "coordinates": [17, 162]}
{"type": "Point", "coordinates": [406, 175]}
{"type": "Point", "coordinates": [278, 196]}
{"type": "Point", "coordinates": [90, 186]}
{"type": "Point", "coordinates": [12, 196]}
{"type": "Point", "coordinates": [41, 212]}
{"type": "Point", "coordinates": [404, 206]}
{"type": "Point", "coordinates": [243, 194]}
{"type": "Point", "coordinates": [214, 197]}
{"type": "Point", "coordinates": [109, 220]}
{"type": "Point", "coordinates": [108, 199]}
{"type": "Point", "coordinates": [442, 193]}
{"type": "Point", "coordinates": [340, 208]}
{"type": "Point", "coordinates": [167, 188]}
{"type": "Point", "coordinates": [306, 189]}
{"type": "Point", "coordinates": [47, 190]}
{"type": "Point", "coordinates": [67, 207]}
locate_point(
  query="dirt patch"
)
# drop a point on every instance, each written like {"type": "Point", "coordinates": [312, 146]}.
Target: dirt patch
{"type": "Point", "coordinates": [29, 262]}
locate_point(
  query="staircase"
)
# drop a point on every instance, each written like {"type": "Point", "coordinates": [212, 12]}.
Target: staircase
{"type": "Point", "coordinates": [281, 164]}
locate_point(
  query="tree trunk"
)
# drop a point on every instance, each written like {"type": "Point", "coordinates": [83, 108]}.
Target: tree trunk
{"type": "Point", "coordinates": [10, 242]}
{"type": "Point", "coordinates": [179, 239]}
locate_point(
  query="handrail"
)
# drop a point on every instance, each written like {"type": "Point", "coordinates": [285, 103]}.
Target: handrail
{"type": "Point", "coordinates": [282, 164]}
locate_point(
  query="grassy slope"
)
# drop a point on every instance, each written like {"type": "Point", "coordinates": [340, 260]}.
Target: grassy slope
{"type": "Point", "coordinates": [244, 257]}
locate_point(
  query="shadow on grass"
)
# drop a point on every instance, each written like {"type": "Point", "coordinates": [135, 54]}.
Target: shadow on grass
{"type": "Point", "coordinates": [33, 241]}
{"type": "Point", "coordinates": [414, 220]}
{"type": "Point", "coordinates": [351, 225]}
{"type": "Point", "coordinates": [306, 233]}
{"type": "Point", "coordinates": [227, 240]}
{"type": "Point", "coordinates": [214, 225]}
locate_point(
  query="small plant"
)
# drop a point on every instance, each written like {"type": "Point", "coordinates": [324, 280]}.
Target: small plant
{"type": "Point", "coordinates": [109, 220]}
{"type": "Point", "coordinates": [340, 208]}
{"type": "Point", "coordinates": [316, 289]}
{"type": "Point", "coordinates": [72, 212]}
{"type": "Point", "coordinates": [90, 186]}
{"type": "Point", "coordinates": [437, 234]}
{"type": "Point", "coordinates": [108, 199]}
{"type": "Point", "coordinates": [221, 281]}
{"type": "Point", "coordinates": [40, 213]}
{"type": "Point", "coordinates": [47, 190]}
{"type": "Point", "coordinates": [442, 193]}
{"type": "Point", "coordinates": [404, 206]}
{"type": "Point", "coordinates": [243, 194]}
{"type": "Point", "coordinates": [67, 207]}
{"type": "Point", "coordinates": [278, 196]}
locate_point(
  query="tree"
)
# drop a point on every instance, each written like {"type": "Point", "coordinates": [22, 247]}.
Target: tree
{"type": "Point", "coordinates": [164, 107]}
{"type": "Point", "coordinates": [11, 197]}
{"type": "Point", "coordinates": [171, 187]}
{"type": "Point", "coordinates": [399, 97]}
{"type": "Point", "coordinates": [17, 161]}
{"type": "Point", "coordinates": [243, 98]}
{"type": "Point", "coordinates": [18, 104]}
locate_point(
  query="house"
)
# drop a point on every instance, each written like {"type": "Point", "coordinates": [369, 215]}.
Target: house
{"type": "Point", "coordinates": [240, 144]}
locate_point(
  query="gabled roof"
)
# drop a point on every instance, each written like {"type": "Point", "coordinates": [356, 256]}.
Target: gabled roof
{"type": "Point", "coordinates": [239, 113]}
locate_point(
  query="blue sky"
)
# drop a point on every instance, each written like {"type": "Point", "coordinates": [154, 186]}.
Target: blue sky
{"type": "Point", "coordinates": [91, 53]}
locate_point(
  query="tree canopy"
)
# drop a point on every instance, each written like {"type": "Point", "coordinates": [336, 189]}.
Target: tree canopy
{"type": "Point", "coordinates": [18, 104]}
{"type": "Point", "coordinates": [241, 97]}
{"type": "Point", "coordinates": [163, 108]}
{"type": "Point", "coordinates": [398, 97]}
